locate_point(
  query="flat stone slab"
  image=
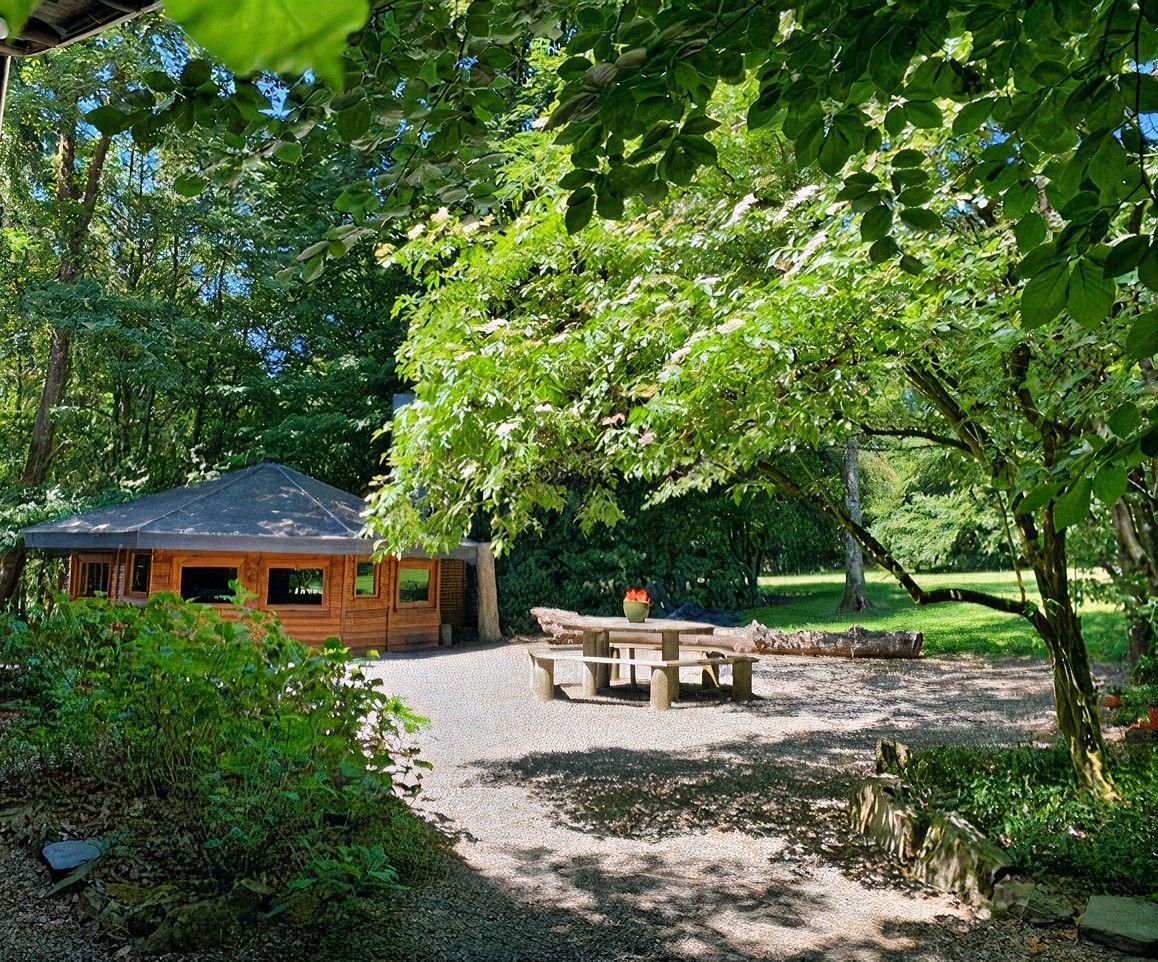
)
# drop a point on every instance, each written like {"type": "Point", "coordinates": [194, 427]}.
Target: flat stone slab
{"type": "Point", "coordinates": [64, 857]}
{"type": "Point", "coordinates": [1125, 923]}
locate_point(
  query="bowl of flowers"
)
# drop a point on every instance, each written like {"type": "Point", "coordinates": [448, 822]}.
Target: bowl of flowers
{"type": "Point", "coordinates": [636, 605]}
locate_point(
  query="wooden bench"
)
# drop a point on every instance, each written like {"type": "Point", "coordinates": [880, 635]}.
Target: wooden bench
{"type": "Point", "coordinates": [664, 674]}
{"type": "Point", "coordinates": [716, 653]}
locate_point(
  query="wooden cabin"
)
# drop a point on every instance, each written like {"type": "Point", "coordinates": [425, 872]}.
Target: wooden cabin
{"type": "Point", "coordinates": [291, 540]}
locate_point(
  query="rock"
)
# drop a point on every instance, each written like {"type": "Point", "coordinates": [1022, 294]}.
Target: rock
{"type": "Point", "coordinates": [1047, 908]}
{"type": "Point", "coordinates": [892, 756]}
{"type": "Point", "coordinates": [877, 813]}
{"type": "Point", "coordinates": [1129, 924]}
{"type": "Point", "coordinates": [1010, 896]}
{"type": "Point", "coordinates": [302, 909]}
{"type": "Point", "coordinates": [248, 897]}
{"type": "Point", "coordinates": [956, 857]}
{"type": "Point", "coordinates": [191, 928]}
{"type": "Point", "coordinates": [65, 857]}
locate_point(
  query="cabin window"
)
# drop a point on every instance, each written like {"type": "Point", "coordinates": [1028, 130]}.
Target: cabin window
{"type": "Point", "coordinates": [208, 585]}
{"type": "Point", "coordinates": [366, 580]}
{"type": "Point", "coordinates": [414, 585]}
{"type": "Point", "coordinates": [94, 579]}
{"type": "Point", "coordinates": [139, 574]}
{"type": "Point", "coordinates": [294, 586]}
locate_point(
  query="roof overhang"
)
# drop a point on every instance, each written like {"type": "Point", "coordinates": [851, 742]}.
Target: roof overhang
{"type": "Point", "coordinates": [56, 23]}
{"type": "Point", "coordinates": [61, 542]}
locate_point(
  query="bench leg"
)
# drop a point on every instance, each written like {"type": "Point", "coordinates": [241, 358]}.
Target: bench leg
{"type": "Point", "coordinates": [543, 678]}
{"type": "Point", "coordinates": [616, 670]}
{"type": "Point", "coordinates": [631, 668]}
{"type": "Point", "coordinates": [664, 686]}
{"type": "Point", "coordinates": [711, 673]}
{"type": "Point", "coordinates": [742, 681]}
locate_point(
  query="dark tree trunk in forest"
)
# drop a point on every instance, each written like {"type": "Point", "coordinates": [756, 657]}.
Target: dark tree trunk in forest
{"type": "Point", "coordinates": [77, 200]}
{"type": "Point", "coordinates": [855, 594]}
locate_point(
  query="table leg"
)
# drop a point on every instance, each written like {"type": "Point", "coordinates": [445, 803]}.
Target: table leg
{"type": "Point", "coordinates": [631, 668]}
{"type": "Point", "coordinates": [603, 647]}
{"type": "Point", "coordinates": [590, 650]}
{"type": "Point", "coordinates": [670, 651]}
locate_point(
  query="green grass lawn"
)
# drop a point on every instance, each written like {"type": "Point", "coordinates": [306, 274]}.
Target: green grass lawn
{"type": "Point", "coordinates": [949, 628]}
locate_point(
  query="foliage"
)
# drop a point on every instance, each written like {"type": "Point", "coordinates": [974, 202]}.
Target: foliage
{"type": "Point", "coordinates": [284, 763]}
{"type": "Point", "coordinates": [1025, 799]}
{"type": "Point", "coordinates": [809, 602]}
{"type": "Point", "coordinates": [702, 549]}
{"type": "Point", "coordinates": [1137, 700]}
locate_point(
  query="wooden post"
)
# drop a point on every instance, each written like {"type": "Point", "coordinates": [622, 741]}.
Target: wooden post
{"type": "Point", "coordinates": [543, 678]}
{"type": "Point", "coordinates": [670, 651]}
{"type": "Point", "coordinates": [603, 650]}
{"type": "Point", "coordinates": [742, 680]}
{"type": "Point", "coordinates": [488, 595]}
{"type": "Point", "coordinates": [661, 687]}
{"type": "Point", "coordinates": [590, 650]}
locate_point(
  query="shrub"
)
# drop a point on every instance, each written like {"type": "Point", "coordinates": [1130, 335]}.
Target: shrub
{"type": "Point", "coordinates": [1026, 799]}
{"type": "Point", "coordinates": [283, 762]}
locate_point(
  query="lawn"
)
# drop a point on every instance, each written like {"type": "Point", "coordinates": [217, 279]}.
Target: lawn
{"type": "Point", "coordinates": [949, 629]}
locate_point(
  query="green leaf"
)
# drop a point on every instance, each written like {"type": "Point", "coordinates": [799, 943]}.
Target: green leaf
{"type": "Point", "coordinates": [908, 158]}
{"type": "Point", "coordinates": [921, 218]}
{"type": "Point", "coordinates": [1029, 231]}
{"type": "Point", "coordinates": [1044, 297]}
{"type": "Point", "coordinates": [291, 36]}
{"type": "Point", "coordinates": [1110, 482]}
{"type": "Point", "coordinates": [972, 116]}
{"type": "Point", "coordinates": [108, 120]}
{"type": "Point", "coordinates": [1125, 419]}
{"type": "Point", "coordinates": [1073, 506]}
{"type": "Point", "coordinates": [1148, 268]}
{"type": "Point", "coordinates": [288, 151]}
{"type": "Point", "coordinates": [1090, 295]}
{"type": "Point", "coordinates": [911, 265]}
{"type": "Point", "coordinates": [1142, 339]}
{"type": "Point", "coordinates": [1125, 255]}
{"type": "Point", "coordinates": [354, 121]}
{"type": "Point", "coordinates": [1036, 499]}
{"type": "Point", "coordinates": [923, 114]}
{"type": "Point", "coordinates": [579, 214]}
{"type": "Point", "coordinates": [876, 223]}
{"type": "Point", "coordinates": [195, 73]}
{"type": "Point", "coordinates": [189, 185]}
{"type": "Point", "coordinates": [16, 12]}
{"type": "Point", "coordinates": [883, 249]}
{"type": "Point", "coordinates": [895, 120]}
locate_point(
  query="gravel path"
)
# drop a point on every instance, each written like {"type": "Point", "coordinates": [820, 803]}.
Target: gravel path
{"type": "Point", "coordinates": [607, 831]}
{"type": "Point", "coordinates": [601, 831]}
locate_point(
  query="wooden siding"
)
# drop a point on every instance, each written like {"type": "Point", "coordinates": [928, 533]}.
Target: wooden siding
{"type": "Point", "coordinates": [362, 623]}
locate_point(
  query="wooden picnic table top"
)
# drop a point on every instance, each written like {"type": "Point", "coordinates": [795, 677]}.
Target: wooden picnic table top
{"type": "Point", "coordinates": [652, 625]}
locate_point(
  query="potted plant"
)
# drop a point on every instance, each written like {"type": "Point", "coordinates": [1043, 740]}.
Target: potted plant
{"type": "Point", "coordinates": [636, 605]}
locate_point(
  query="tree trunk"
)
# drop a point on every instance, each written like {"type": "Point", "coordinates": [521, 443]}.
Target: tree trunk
{"type": "Point", "coordinates": [79, 200]}
{"type": "Point", "coordinates": [855, 594]}
{"type": "Point", "coordinates": [488, 595]}
{"type": "Point", "coordinates": [1073, 686]}
{"type": "Point", "coordinates": [1136, 531]}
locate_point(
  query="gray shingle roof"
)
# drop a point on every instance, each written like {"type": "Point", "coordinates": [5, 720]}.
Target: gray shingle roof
{"type": "Point", "coordinates": [267, 507]}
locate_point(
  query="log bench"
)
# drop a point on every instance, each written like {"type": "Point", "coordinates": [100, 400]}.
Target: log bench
{"type": "Point", "coordinates": [664, 673]}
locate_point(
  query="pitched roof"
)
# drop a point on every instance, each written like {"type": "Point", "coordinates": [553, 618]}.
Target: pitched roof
{"type": "Point", "coordinates": [54, 23]}
{"type": "Point", "coordinates": [267, 507]}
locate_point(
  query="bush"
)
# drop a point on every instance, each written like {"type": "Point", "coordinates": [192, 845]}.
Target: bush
{"type": "Point", "coordinates": [1026, 799]}
{"type": "Point", "coordinates": [282, 762]}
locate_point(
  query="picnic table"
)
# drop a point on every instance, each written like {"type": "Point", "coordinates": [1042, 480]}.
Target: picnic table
{"type": "Point", "coordinates": [598, 661]}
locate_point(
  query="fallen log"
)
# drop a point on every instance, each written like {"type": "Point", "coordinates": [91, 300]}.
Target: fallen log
{"type": "Point", "coordinates": [758, 639]}
{"type": "Point", "coordinates": [856, 642]}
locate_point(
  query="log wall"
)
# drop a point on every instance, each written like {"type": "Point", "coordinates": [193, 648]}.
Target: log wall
{"type": "Point", "coordinates": [362, 623]}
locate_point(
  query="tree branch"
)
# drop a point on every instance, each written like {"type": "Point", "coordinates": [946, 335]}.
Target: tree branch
{"type": "Point", "coordinates": [886, 560]}
{"type": "Point", "coordinates": [940, 439]}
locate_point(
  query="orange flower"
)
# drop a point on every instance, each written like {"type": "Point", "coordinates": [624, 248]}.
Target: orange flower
{"type": "Point", "coordinates": [637, 594]}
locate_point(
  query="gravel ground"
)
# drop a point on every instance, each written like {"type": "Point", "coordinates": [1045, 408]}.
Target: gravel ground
{"type": "Point", "coordinates": [594, 830]}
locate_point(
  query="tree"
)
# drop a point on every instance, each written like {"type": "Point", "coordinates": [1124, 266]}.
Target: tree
{"type": "Point", "coordinates": [661, 350]}
{"type": "Point", "coordinates": [855, 596]}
